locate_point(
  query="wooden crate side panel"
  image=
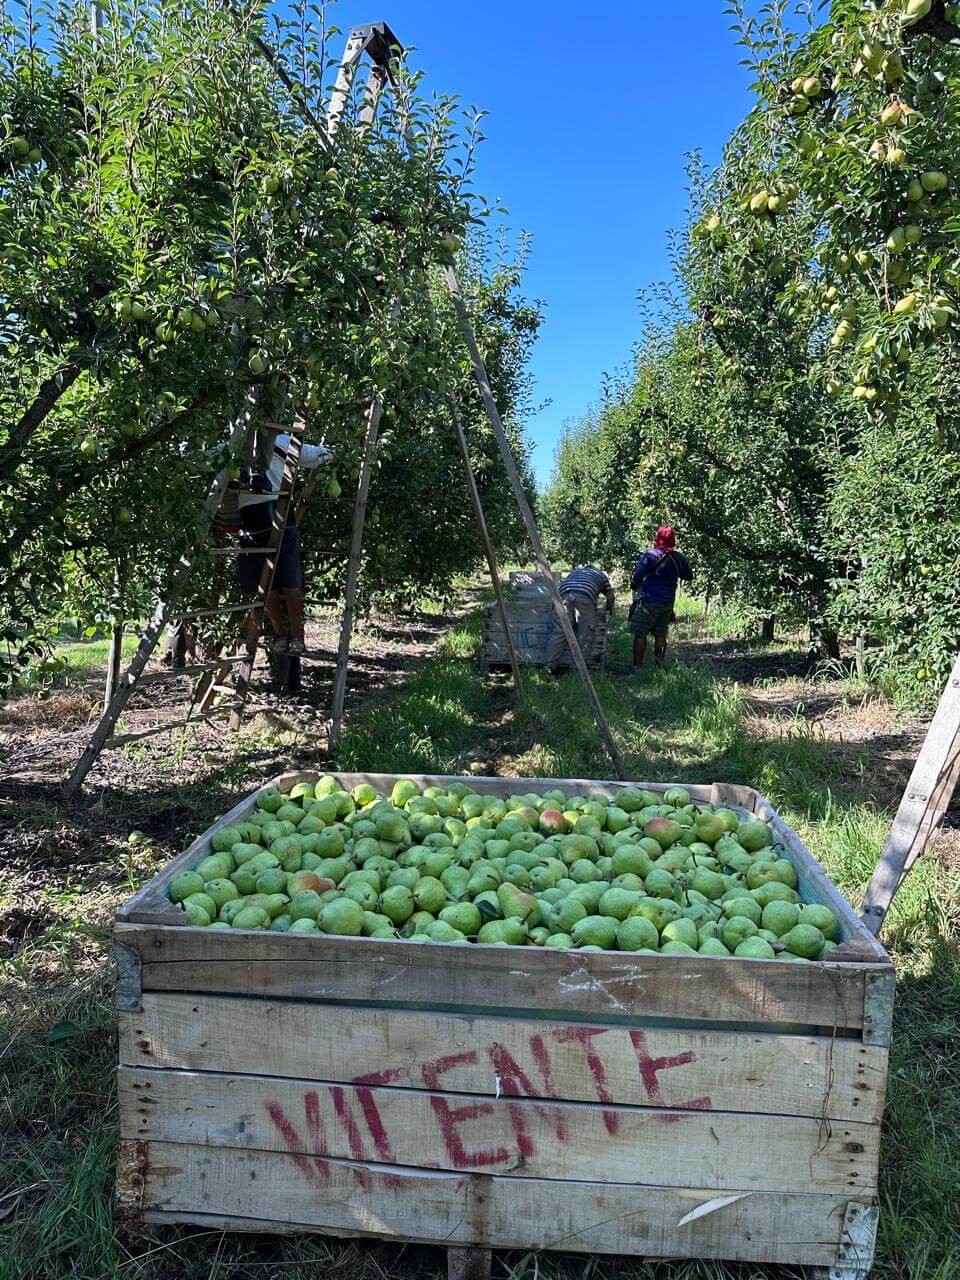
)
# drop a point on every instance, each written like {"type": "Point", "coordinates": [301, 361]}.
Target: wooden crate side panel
{"type": "Point", "coordinates": [721, 1151]}
{"type": "Point", "coordinates": [181, 1183]}
{"type": "Point", "coordinates": [522, 979]}
{"type": "Point", "coordinates": [533, 625]}
{"type": "Point", "coordinates": [837, 1078]}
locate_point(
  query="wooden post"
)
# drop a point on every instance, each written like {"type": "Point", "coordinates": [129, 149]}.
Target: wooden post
{"type": "Point", "coordinates": [478, 513]}
{"type": "Point", "coordinates": [493, 414]}
{"type": "Point", "coordinates": [485, 539]}
{"type": "Point", "coordinates": [353, 566]}
{"type": "Point", "coordinates": [929, 791]}
{"type": "Point", "coordinates": [115, 652]}
{"type": "Point", "coordinates": [161, 616]}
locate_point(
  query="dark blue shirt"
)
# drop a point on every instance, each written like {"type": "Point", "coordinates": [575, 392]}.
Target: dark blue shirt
{"type": "Point", "coordinates": [658, 573]}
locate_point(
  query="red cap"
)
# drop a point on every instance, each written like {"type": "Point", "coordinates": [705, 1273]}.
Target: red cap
{"type": "Point", "coordinates": [666, 539]}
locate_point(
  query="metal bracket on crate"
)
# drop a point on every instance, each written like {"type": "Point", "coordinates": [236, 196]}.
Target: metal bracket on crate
{"type": "Point", "coordinates": [857, 1242]}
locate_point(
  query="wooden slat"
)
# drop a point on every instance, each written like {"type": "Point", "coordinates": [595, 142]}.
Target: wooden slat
{"type": "Point", "coordinates": [265, 1191]}
{"type": "Point", "coordinates": [931, 787]}
{"type": "Point", "coordinates": [526, 979]}
{"type": "Point", "coordinates": [821, 1076]}
{"type": "Point", "coordinates": [720, 1151]}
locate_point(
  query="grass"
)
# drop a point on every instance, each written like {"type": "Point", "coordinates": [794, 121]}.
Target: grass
{"type": "Point", "coordinates": [57, 1051]}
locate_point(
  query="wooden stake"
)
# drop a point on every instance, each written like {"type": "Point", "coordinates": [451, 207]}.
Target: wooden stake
{"type": "Point", "coordinates": [932, 785]}
{"type": "Point", "coordinates": [353, 566]}
{"type": "Point", "coordinates": [540, 554]}
{"type": "Point", "coordinates": [115, 652]}
{"type": "Point", "coordinates": [165, 608]}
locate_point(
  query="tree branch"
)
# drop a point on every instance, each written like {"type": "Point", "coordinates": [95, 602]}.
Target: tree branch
{"type": "Point", "coordinates": [30, 420]}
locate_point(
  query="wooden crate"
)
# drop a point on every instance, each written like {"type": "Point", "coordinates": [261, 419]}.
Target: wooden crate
{"type": "Point", "coordinates": [533, 623]}
{"type": "Point", "coordinates": [664, 1106]}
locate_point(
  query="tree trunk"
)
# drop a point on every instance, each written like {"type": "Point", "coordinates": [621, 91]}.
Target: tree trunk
{"type": "Point", "coordinates": [766, 631]}
{"type": "Point", "coordinates": [824, 640]}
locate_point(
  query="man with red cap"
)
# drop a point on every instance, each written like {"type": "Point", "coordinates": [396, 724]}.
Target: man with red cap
{"type": "Point", "coordinates": [654, 585]}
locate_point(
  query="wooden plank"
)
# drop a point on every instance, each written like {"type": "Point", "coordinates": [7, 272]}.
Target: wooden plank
{"type": "Point", "coordinates": [520, 1137]}
{"type": "Point", "coordinates": [161, 615]}
{"type": "Point", "coordinates": [827, 1077]}
{"type": "Point", "coordinates": [493, 414]}
{"type": "Point", "coordinates": [932, 785]}
{"type": "Point", "coordinates": [268, 1190]}
{"type": "Point", "coordinates": [353, 561]}
{"type": "Point", "coordinates": [701, 989]}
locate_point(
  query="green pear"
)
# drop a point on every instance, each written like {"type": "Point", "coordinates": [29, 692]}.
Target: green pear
{"type": "Point", "coordinates": [773, 891]}
{"type": "Point", "coordinates": [514, 903]}
{"type": "Point", "coordinates": [660, 883]}
{"type": "Point", "coordinates": [682, 930]}
{"type": "Point", "coordinates": [709, 883]}
{"type": "Point", "coordinates": [563, 915]}
{"type": "Point", "coordinates": [184, 885]}
{"type": "Point", "coordinates": [397, 902]}
{"type": "Point", "coordinates": [637, 933]}
{"type": "Point", "coordinates": [755, 948]}
{"type": "Point", "coordinates": [677, 948]}
{"type": "Point", "coordinates": [440, 931]}
{"type": "Point", "coordinates": [712, 947]}
{"type": "Point", "coordinates": [736, 930]}
{"type": "Point", "coordinates": [416, 925]}
{"type": "Point", "coordinates": [632, 860]}
{"type": "Point", "coordinates": [821, 918]}
{"type": "Point", "coordinates": [559, 941]}
{"type": "Point", "coordinates": [743, 906]}
{"type": "Point", "coordinates": [251, 918]}
{"type": "Point", "coordinates": [303, 925]}
{"type": "Point", "coordinates": [512, 932]}
{"type": "Point", "coordinates": [343, 916]}
{"type": "Point", "coordinates": [804, 940]}
{"type": "Point", "coordinates": [780, 917]}
{"type": "Point", "coordinates": [463, 916]}
{"type": "Point", "coordinates": [596, 931]}
{"type": "Point", "coordinates": [617, 903]}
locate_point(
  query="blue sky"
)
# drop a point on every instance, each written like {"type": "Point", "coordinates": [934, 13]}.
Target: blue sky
{"type": "Point", "coordinates": [591, 111]}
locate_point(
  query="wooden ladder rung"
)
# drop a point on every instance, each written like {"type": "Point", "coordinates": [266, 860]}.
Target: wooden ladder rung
{"type": "Point", "coordinates": [164, 728]}
{"type": "Point", "coordinates": [215, 613]}
{"type": "Point", "coordinates": [195, 669]}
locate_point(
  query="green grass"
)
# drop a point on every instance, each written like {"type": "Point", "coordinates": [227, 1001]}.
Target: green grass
{"type": "Point", "coordinates": [57, 1108]}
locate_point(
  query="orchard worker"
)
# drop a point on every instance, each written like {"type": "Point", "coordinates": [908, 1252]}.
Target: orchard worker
{"type": "Point", "coordinates": [256, 518]}
{"type": "Point", "coordinates": [654, 584]}
{"type": "Point", "coordinates": [580, 592]}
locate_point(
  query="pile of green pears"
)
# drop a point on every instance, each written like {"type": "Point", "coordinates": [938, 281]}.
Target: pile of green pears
{"type": "Point", "coordinates": [639, 872]}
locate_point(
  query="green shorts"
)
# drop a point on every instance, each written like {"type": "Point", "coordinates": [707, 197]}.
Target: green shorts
{"type": "Point", "coordinates": [653, 618]}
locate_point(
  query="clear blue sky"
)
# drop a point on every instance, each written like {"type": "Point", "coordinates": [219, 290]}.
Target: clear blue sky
{"type": "Point", "coordinates": [591, 111]}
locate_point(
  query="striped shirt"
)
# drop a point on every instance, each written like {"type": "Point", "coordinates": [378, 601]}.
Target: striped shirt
{"type": "Point", "coordinates": [586, 582]}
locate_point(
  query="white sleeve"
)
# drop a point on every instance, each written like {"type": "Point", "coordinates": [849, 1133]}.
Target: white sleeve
{"type": "Point", "coordinates": [314, 455]}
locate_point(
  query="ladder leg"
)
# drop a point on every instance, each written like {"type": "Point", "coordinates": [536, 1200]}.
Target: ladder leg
{"type": "Point", "coordinates": [493, 414]}
{"type": "Point", "coordinates": [154, 630]}
{"type": "Point", "coordinates": [353, 570]}
{"type": "Point", "coordinates": [255, 623]}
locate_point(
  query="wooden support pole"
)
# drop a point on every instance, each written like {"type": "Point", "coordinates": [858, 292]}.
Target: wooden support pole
{"type": "Point", "coordinates": [932, 785]}
{"type": "Point", "coordinates": [115, 652]}
{"type": "Point", "coordinates": [493, 414]}
{"type": "Point", "coordinates": [165, 608]}
{"type": "Point", "coordinates": [353, 566]}
{"type": "Point", "coordinates": [487, 544]}
{"type": "Point", "coordinates": [479, 514]}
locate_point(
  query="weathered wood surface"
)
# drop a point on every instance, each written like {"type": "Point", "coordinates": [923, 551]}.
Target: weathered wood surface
{"type": "Point", "coordinates": [258, 1190]}
{"type": "Point", "coordinates": [529, 979]}
{"type": "Point", "coordinates": [826, 1077]}
{"type": "Point", "coordinates": [520, 1137]}
{"type": "Point", "coordinates": [532, 628]}
{"type": "Point", "coordinates": [932, 784]}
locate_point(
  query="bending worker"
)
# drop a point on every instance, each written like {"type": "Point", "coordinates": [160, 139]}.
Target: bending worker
{"type": "Point", "coordinates": [654, 585]}
{"type": "Point", "coordinates": [256, 515]}
{"type": "Point", "coordinates": [580, 591]}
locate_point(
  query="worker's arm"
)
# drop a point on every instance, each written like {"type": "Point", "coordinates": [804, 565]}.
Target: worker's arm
{"type": "Point", "coordinates": [609, 592]}
{"type": "Point", "coordinates": [314, 455]}
{"type": "Point", "coordinates": [684, 572]}
{"type": "Point", "coordinates": [640, 572]}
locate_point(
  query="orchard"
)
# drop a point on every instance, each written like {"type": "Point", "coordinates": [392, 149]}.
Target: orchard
{"type": "Point", "coordinates": [179, 245]}
{"type": "Point", "coordinates": [799, 422]}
